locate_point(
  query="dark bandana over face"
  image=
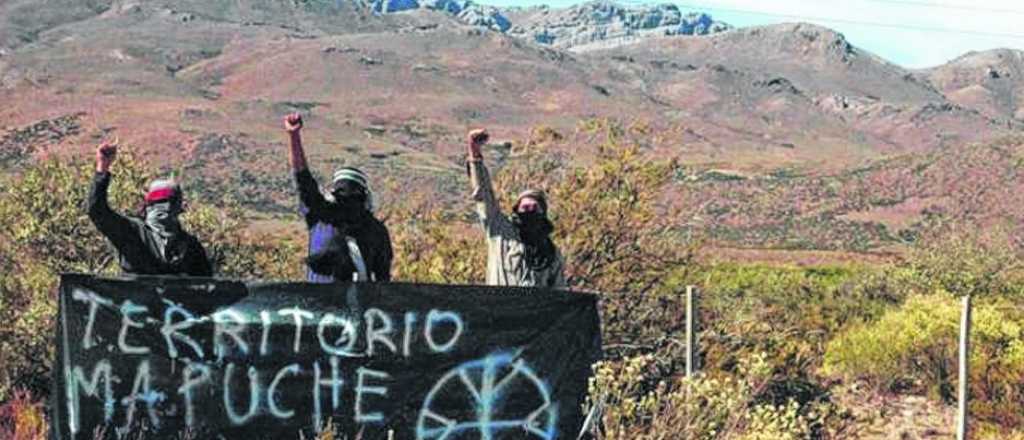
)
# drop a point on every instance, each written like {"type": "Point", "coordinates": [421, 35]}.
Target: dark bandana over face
{"type": "Point", "coordinates": [348, 215]}
{"type": "Point", "coordinates": [535, 230]}
{"type": "Point", "coordinates": [348, 211]}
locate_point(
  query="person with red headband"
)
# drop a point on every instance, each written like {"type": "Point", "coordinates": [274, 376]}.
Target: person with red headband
{"type": "Point", "coordinates": [519, 247]}
{"type": "Point", "coordinates": [153, 243]}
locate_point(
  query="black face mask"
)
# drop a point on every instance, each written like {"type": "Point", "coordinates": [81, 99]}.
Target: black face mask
{"type": "Point", "coordinates": [349, 206]}
{"type": "Point", "coordinates": [349, 194]}
{"type": "Point", "coordinates": [350, 200]}
{"type": "Point", "coordinates": [535, 230]}
{"type": "Point", "coordinates": [533, 224]}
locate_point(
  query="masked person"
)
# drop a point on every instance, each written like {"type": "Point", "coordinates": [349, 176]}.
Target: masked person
{"type": "Point", "coordinates": [519, 247]}
{"type": "Point", "coordinates": [153, 243]}
{"type": "Point", "coordinates": [346, 242]}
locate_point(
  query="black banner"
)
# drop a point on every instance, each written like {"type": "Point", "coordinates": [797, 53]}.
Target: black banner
{"type": "Point", "coordinates": [199, 358]}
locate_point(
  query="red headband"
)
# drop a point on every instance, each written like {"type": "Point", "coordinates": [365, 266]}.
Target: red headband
{"type": "Point", "coordinates": [160, 194]}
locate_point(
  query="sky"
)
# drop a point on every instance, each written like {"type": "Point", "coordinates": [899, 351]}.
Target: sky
{"type": "Point", "coordinates": [911, 33]}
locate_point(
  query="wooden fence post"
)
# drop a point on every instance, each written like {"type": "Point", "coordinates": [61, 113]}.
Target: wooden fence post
{"type": "Point", "coordinates": [965, 359]}
{"type": "Point", "coordinates": [692, 326]}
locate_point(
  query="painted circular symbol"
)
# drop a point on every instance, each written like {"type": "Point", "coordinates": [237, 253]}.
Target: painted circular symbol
{"type": "Point", "coordinates": [496, 397]}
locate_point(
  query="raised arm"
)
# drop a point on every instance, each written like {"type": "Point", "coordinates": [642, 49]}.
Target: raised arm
{"type": "Point", "coordinates": [114, 226]}
{"type": "Point", "coordinates": [480, 179]}
{"type": "Point", "coordinates": [310, 198]}
{"type": "Point", "coordinates": [293, 125]}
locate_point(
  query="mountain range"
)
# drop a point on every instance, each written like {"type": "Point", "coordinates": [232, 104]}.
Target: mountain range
{"type": "Point", "coordinates": [796, 138]}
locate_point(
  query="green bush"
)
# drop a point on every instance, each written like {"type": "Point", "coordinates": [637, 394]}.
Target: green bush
{"type": "Point", "coordinates": [46, 232]}
{"type": "Point", "coordinates": [608, 207]}
{"type": "Point", "coordinates": [915, 346]}
{"type": "Point", "coordinates": [788, 312]}
{"type": "Point", "coordinates": [27, 311]}
{"type": "Point", "coordinates": [705, 407]}
{"type": "Point", "coordinates": [434, 246]}
{"type": "Point", "coordinates": [964, 260]}
{"type": "Point", "coordinates": [618, 235]}
{"type": "Point", "coordinates": [769, 344]}
{"type": "Point", "coordinates": [610, 224]}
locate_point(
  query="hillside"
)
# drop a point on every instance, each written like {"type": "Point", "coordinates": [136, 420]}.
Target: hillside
{"type": "Point", "coordinates": [887, 203]}
{"type": "Point", "coordinates": [831, 207]}
{"type": "Point", "coordinates": [392, 87]}
{"type": "Point", "coordinates": [988, 81]}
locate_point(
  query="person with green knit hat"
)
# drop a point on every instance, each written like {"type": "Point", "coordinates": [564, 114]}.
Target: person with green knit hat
{"type": "Point", "coordinates": [520, 251]}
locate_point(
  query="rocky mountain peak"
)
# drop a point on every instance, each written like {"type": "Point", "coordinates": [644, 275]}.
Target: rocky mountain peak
{"type": "Point", "coordinates": [465, 11]}
{"type": "Point", "coordinates": [987, 65]}
{"type": "Point", "coordinates": [990, 81]}
{"type": "Point", "coordinates": [602, 23]}
{"type": "Point", "coordinates": [801, 39]}
{"type": "Point", "coordinates": [994, 56]}
{"type": "Point", "coordinates": [980, 68]}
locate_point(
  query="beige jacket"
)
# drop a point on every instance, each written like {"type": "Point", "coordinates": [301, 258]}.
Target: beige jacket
{"type": "Point", "coordinates": [505, 263]}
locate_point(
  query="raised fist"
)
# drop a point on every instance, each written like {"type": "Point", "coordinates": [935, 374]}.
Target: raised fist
{"type": "Point", "coordinates": [106, 153]}
{"type": "Point", "coordinates": [293, 123]}
{"type": "Point", "coordinates": [477, 138]}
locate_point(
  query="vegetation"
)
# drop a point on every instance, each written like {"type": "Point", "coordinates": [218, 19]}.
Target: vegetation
{"type": "Point", "coordinates": [780, 344]}
{"type": "Point", "coordinates": [913, 346]}
{"type": "Point", "coordinates": [47, 233]}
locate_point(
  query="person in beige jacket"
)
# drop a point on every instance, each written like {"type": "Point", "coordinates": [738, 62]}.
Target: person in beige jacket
{"type": "Point", "coordinates": [519, 247]}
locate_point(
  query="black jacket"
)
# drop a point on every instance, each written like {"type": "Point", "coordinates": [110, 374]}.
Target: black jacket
{"type": "Point", "coordinates": [136, 245]}
{"type": "Point", "coordinates": [370, 234]}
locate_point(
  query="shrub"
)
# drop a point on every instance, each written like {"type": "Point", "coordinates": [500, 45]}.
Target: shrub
{"type": "Point", "coordinates": [610, 224]}
{"type": "Point", "coordinates": [915, 346]}
{"type": "Point", "coordinates": [613, 225]}
{"type": "Point", "coordinates": [637, 405]}
{"type": "Point", "coordinates": [47, 233]}
{"type": "Point", "coordinates": [23, 418]}
{"type": "Point", "coordinates": [434, 246]}
{"type": "Point", "coordinates": [27, 311]}
{"type": "Point", "coordinates": [788, 312]}
{"type": "Point", "coordinates": [609, 215]}
{"type": "Point", "coordinates": [964, 260]}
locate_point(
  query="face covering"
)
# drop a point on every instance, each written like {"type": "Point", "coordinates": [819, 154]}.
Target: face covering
{"type": "Point", "coordinates": [349, 204]}
{"type": "Point", "coordinates": [532, 224]}
{"type": "Point", "coordinates": [162, 220]}
{"type": "Point", "coordinates": [535, 230]}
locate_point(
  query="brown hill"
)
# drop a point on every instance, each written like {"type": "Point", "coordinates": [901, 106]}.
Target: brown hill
{"type": "Point", "coordinates": [807, 86]}
{"type": "Point", "coordinates": [202, 86]}
{"type": "Point", "coordinates": [887, 203]}
{"type": "Point", "coordinates": [991, 82]}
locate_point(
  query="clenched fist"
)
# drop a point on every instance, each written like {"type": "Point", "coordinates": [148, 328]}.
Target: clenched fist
{"type": "Point", "coordinates": [106, 153]}
{"type": "Point", "coordinates": [477, 138]}
{"type": "Point", "coordinates": [293, 123]}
